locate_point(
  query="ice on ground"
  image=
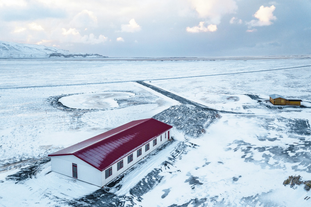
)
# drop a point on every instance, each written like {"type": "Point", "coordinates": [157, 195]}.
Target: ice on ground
{"type": "Point", "coordinates": [105, 100]}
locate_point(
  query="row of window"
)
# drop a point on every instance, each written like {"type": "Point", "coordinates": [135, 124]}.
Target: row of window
{"type": "Point", "coordinates": [120, 165]}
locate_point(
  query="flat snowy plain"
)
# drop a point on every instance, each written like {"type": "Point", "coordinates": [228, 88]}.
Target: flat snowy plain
{"type": "Point", "coordinates": [241, 160]}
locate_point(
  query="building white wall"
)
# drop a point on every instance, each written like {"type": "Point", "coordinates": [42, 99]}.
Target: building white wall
{"type": "Point", "coordinates": [86, 172]}
{"type": "Point", "coordinates": [126, 166]}
{"type": "Point", "coordinates": [89, 174]}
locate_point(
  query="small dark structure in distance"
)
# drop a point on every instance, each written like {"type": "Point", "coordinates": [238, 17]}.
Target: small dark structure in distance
{"type": "Point", "coordinates": [276, 99]}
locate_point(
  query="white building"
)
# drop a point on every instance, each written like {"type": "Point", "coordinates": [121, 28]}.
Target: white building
{"type": "Point", "coordinates": [102, 158]}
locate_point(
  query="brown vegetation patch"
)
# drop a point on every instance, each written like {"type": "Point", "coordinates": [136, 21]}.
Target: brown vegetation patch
{"type": "Point", "coordinates": [297, 180]}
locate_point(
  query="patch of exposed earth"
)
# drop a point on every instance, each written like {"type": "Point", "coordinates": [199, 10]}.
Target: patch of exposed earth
{"type": "Point", "coordinates": [298, 153]}
{"type": "Point", "coordinates": [28, 172]}
{"type": "Point", "coordinates": [192, 120]}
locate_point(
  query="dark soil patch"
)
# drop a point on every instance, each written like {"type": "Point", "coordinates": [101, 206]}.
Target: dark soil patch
{"type": "Point", "coordinates": [233, 98]}
{"type": "Point", "coordinates": [193, 202]}
{"type": "Point", "coordinates": [235, 179]}
{"type": "Point", "coordinates": [254, 97]}
{"type": "Point", "coordinates": [147, 183]}
{"type": "Point", "coordinates": [299, 126]}
{"type": "Point", "coordinates": [100, 198]}
{"type": "Point", "coordinates": [166, 192]}
{"type": "Point", "coordinates": [257, 200]}
{"type": "Point", "coordinates": [190, 119]}
{"type": "Point", "coordinates": [297, 180]}
{"type": "Point", "coordinates": [28, 172]}
{"type": "Point", "coordinates": [193, 181]}
{"type": "Point", "coordinates": [298, 154]}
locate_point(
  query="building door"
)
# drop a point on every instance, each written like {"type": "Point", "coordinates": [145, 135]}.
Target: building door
{"type": "Point", "coordinates": [74, 170]}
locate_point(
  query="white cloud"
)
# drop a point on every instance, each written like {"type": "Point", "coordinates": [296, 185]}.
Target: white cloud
{"type": "Point", "coordinates": [251, 30]}
{"type": "Point", "coordinates": [71, 31]}
{"type": "Point", "coordinates": [19, 29]}
{"type": "Point", "coordinates": [273, 3]}
{"type": "Point", "coordinates": [214, 9]}
{"type": "Point", "coordinates": [201, 28]}
{"type": "Point", "coordinates": [235, 20]}
{"type": "Point", "coordinates": [44, 42]}
{"type": "Point", "coordinates": [73, 35]}
{"type": "Point", "coordinates": [13, 3]}
{"type": "Point", "coordinates": [132, 26]}
{"type": "Point", "coordinates": [264, 16]}
{"type": "Point", "coordinates": [29, 10]}
{"type": "Point", "coordinates": [84, 19]}
{"type": "Point", "coordinates": [35, 26]}
{"type": "Point", "coordinates": [120, 39]}
{"type": "Point", "coordinates": [93, 40]}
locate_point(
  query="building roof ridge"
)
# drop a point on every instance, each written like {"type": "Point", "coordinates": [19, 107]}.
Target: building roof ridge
{"type": "Point", "coordinates": [104, 138]}
{"type": "Point", "coordinates": [100, 151]}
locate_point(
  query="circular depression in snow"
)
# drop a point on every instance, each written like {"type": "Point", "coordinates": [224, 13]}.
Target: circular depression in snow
{"type": "Point", "coordinates": [105, 100]}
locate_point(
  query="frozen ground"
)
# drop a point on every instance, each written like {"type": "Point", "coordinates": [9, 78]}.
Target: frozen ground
{"type": "Point", "coordinates": [239, 159]}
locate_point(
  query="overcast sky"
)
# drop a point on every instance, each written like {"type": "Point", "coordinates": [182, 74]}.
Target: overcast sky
{"type": "Point", "coordinates": [140, 28]}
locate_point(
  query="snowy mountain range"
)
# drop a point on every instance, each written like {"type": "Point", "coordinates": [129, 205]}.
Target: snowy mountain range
{"type": "Point", "coordinates": [17, 50]}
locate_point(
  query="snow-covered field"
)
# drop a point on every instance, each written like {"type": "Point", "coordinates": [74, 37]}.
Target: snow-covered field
{"type": "Point", "coordinates": [241, 160]}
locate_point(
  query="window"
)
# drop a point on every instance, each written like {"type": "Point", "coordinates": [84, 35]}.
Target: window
{"type": "Point", "coordinates": [130, 158]}
{"type": "Point", "coordinates": [161, 137]}
{"type": "Point", "coordinates": [165, 135]}
{"type": "Point", "coordinates": [155, 142]}
{"type": "Point", "coordinates": [74, 170]}
{"type": "Point", "coordinates": [120, 165]}
{"type": "Point", "coordinates": [139, 152]}
{"type": "Point", "coordinates": [147, 147]}
{"type": "Point", "coordinates": [108, 172]}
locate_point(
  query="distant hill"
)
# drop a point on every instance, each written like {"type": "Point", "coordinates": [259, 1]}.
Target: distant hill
{"type": "Point", "coordinates": [12, 50]}
{"type": "Point", "coordinates": [17, 50]}
{"type": "Point", "coordinates": [61, 55]}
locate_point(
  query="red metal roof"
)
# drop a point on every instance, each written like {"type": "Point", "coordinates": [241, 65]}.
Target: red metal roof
{"type": "Point", "coordinates": [104, 149]}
